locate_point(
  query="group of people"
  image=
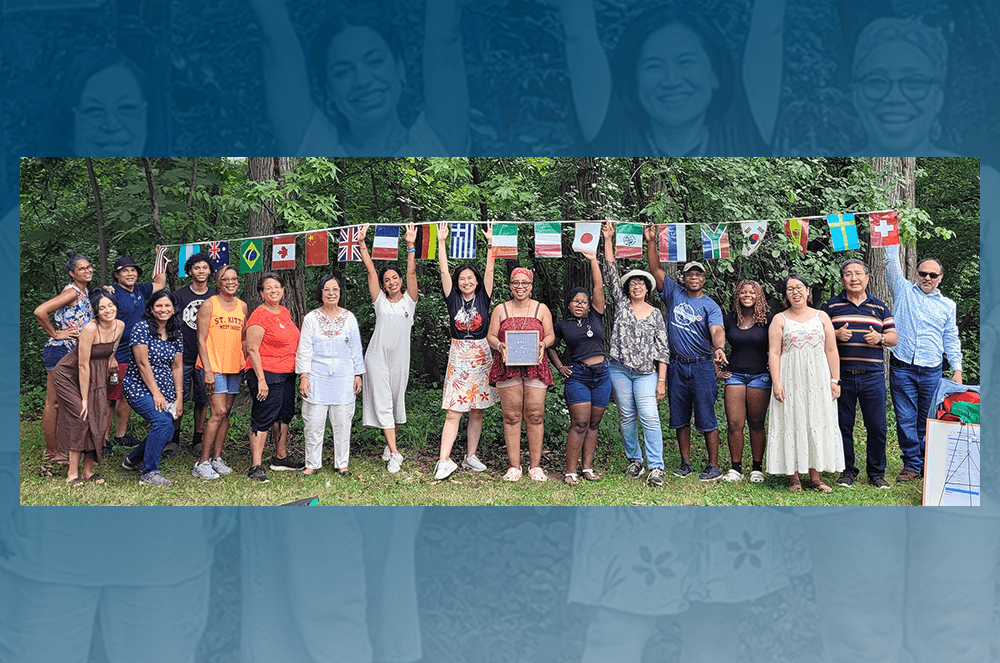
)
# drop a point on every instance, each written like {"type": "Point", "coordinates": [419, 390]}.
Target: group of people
{"type": "Point", "coordinates": [809, 367]}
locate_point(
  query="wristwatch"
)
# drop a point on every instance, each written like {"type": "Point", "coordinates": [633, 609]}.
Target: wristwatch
{"type": "Point", "coordinates": [837, 381]}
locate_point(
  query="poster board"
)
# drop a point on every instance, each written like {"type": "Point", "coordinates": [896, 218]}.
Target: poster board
{"type": "Point", "coordinates": [951, 464]}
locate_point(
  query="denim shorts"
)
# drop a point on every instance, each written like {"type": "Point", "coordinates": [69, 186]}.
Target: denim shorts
{"type": "Point", "coordinates": [51, 354]}
{"type": "Point", "coordinates": [588, 384]}
{"type": "Point", "coordinates": [751, 380]}
{"type": "Point", "coordinates": [228, 383]}
{"type": "Point", "coordinates": [692, 387]}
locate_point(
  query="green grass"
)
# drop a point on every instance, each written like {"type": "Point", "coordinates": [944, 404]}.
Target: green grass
{"type": "Point", "coordinates": [370, 484]}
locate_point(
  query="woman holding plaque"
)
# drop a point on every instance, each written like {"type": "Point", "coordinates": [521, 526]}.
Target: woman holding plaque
{"type": "Point", "coordinates": [588, 383]}
{"type": "Point", "coordinates": [387, 361]}
{"type": "Point", "coordinates": [466, 382]}
{"type": "Point", "coordinates": [522, 384]}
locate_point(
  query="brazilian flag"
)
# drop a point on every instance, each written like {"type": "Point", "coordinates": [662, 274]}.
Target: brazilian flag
{"type": "Point", "coordinates": [251, 256]}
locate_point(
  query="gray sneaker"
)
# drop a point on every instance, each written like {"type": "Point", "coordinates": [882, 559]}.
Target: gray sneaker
{"type": "Point", "coordinates": [635, 469]}
{"type": "Point", "coordinates": [204, 471]}
{"type": "Point", "coordinates": [386, 454]}
{"type": "Point", "coordinates": [443, 469]}
{"type": "Point", "coordinates": [655, 477]}
{"type": "Point", "coordinates": [220, 467]}
{"type": "Point", "coordinates": [155, 479]}
{"type": "Point", "coordinates": [395, 463]}
{"type": "Point", "coordinates": [473, 463]}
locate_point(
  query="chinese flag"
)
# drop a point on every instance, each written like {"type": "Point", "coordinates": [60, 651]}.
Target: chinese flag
{"type": "Point", "coordinates": [317, 248]}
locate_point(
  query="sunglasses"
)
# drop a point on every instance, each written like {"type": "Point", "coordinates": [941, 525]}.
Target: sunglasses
{"type": "Point", "coordinates": [929, 275]}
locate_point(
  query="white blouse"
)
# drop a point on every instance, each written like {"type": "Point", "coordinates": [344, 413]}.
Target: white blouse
{"type": "Point", "coordinates": [330, 353]}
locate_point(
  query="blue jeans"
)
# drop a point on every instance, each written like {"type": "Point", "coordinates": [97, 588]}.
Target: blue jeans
{"type": "Point", "coordinates": [912, 389]}
{"type": "Point", "coordinates": [692, 386]}
{"type": "Point", "coordinates": [584, 385]}
{"type": "Point", "coordinates": [147, 453]}
{"type": "Point", "coordinates": [636, 396]}
{"type": "Point", "coordinates": [869, 388]}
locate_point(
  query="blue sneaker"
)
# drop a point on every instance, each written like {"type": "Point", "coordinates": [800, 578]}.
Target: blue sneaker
{"type": "Point", "coordinates": [683, 470]}
{"type": "Point", "coordinates": [711, 473]}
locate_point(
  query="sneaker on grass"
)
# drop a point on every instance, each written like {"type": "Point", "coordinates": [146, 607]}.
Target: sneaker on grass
{"type": "Point", "coordinates": [655, 477]}
{"type": "Point", "coordinates": [683, 470]}
{"type": "Point", "coordinates": [444, 468]}
{"type": "Point", "coordinates": [129, 465]}
{"type": "Point", "coordinates": [395, 463]}
{"type": "Point", "coordinates": [257, 473]}
{"type": "Point", "coordinates": [473, 463]}
{"type": "Point", "coordinates": [635, 469]}
{"type": "Point", "coordinates": [846, 479]}
{"type": "Point", "coordinates": [711, 473]}
{"type": "Point", "coordinates": [879, 482]}
{"type": "Point", "coordinates": [286, 464]}
{"type": "Point", "coordinates": [204, 471]}
{"type": "Point", "coordinates": [386, 454]}
{"type": "Point", "coordinates": [155, 479]}
{"type": "Point", "coordinates": [220, 467]}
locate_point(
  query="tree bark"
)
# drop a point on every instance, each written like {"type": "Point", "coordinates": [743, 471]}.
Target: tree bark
{"type": "Point", "coordinates": [100, 220]}
{"type": "Point", "coordinates": [194, 183]}
{"type": "Point", "coordinates": [261, 222]}
{"type": "Point", "coordinates": [154, 214]}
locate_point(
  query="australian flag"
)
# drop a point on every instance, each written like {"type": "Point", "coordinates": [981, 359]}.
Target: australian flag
{"type": "Point", "coordinates": [218, 253]}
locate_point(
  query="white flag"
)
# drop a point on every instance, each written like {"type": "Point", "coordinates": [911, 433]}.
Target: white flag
{"type": "Point", "coordinates": [586, 236]}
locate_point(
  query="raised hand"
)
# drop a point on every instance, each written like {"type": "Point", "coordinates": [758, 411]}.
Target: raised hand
{"type": "Point", "coordinates": [488, 233]}
{"type": "Point", "coordinates": [411, 233]}
{"type": "Point", "coordinates": [443, 229]}
{"type": "Point", "coordinates": [362, 232]}
{"type": "Point", "coordinates": [608, 230]}
{"type": "Point", "coordinates": [649, 232]}
{"type": "Point", "coordinates": [589, 256]}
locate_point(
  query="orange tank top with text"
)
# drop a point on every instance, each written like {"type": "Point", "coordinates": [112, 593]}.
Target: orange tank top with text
{"type": "Point", "coordinates": [225, 338]}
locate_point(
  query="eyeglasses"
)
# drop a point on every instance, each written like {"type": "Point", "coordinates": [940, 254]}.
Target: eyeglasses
{"type": "Point", "coordinates": [795, 288]}
{"type": "Point", "coordinates": [929, 275]}
{"type": "Point", "coordinates": [230, 279]}
{"type": "Point", "coordinates": [914, 88]}
{"type": "Point", "coordinates": [520, 284]}
{"type": "Point", "coordinates": [86, 268]}
{"type": "Point", "coordinates": [580, 302]}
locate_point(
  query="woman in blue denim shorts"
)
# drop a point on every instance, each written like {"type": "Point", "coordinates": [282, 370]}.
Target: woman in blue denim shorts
{"type": "Point", "coordinates": [588, 383]}
{"type": "Point", "coordinates": [748, 383]}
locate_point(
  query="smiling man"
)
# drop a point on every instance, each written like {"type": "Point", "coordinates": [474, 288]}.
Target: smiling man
{"type": "Point", "coordinates": [863, 326]}
{"type": "Point", "coordinates": [926, 322]}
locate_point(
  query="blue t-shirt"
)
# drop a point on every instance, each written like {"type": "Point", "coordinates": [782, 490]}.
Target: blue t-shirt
{"type": "Point", "coordinates": [688, 321]}
{"type": "Point", "coordinates": [161, 360]}
{"type": "Point", "coordinates": [130, 308]}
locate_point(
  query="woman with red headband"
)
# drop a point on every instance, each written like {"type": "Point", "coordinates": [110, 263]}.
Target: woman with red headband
{"type": "Point", "coordinates": [522, 388]}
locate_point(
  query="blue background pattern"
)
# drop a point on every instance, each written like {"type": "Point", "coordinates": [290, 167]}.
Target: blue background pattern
{"type": "Point", "coordinates": [492, 583]}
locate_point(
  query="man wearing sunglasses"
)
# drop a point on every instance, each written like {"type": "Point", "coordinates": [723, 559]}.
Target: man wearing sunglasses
{"type": "Point", "coordinates": [927, 328]}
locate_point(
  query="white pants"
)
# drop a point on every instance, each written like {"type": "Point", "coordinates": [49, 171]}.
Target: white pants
{"type": "Point", "coordinates": [914, 584]}
{"type": "Point", "coordinates": [314, 417]}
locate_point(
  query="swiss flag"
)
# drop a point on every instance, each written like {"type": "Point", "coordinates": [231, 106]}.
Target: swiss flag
{"type": "Point", "coordinates": [884, 227]}
{"type": "Point", "coordinates": [283, 252]}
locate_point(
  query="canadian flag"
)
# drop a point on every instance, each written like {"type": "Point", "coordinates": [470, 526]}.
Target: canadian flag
{"type": "Point", "coordinates": [283, 252]}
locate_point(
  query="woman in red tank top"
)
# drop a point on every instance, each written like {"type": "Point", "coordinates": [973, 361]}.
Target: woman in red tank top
{"type": "Point", "coordinates": [522, 388]}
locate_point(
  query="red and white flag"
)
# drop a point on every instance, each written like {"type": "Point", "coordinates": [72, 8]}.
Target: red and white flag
{"type": "Point", "coordinates": [586, 236]}
{"type": "Point", "coordinates": [885, 228]}
{"type": "Point", "coordinates": [283, 252]}
{"type": "Point", "coordinates": [317, 248]}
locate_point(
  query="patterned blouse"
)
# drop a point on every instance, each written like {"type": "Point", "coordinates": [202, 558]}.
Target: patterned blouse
{"type": "Point", "coordinates": [72, 316]}
{"type": "Point", "coordinates": [635, 344]}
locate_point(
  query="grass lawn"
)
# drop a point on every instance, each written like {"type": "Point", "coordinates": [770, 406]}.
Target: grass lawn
{"type": "Point", "coordinates": [370, 484]}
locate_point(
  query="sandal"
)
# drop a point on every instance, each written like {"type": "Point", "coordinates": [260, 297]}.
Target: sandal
{"type": "Point", "coordinates": [513, 474]}
{"type": "Point", "coordinates": [537, 474]}
{"type": "Point", "coordinates": [58, 459]}
{"type": "Point", "coordinates": [795, 484]}
{"type": "Point", "coordinates": [344, 472]}
{"type": "Point", "coordinates": [96, 478]}
{"type": "Point", "coordinates": [76, 483]}
{"type": "Point", "coordinates": [590, 475]}
{"type": "Point", "coordinates": [569, 479]}
{"type": "Point", "coordinates": [818, 485]}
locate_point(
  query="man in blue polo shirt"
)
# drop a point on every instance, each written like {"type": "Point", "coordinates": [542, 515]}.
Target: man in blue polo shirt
{"type": "Point", "coordinates": [926, 322]}
{"type": "Point", "coordinates": [696, 338]}
{"type": "Point", "coordinates": [863, 325]}
{"type": "Point", "coordinates": [131, 297]}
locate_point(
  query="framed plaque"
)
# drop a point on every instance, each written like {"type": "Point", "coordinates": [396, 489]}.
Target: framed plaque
{"type": "Point", "coordinates": [522, 348]}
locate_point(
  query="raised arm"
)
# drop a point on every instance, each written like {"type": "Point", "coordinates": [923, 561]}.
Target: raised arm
{"type": "Point", "coordinates": [446, 284]}
{"type": "Point", "coordinates": [597, 301]}
{"type": "Point", "coordinates": [411, 262]}
{"type": "Point", "coordinates": [653, 256]}
{"type": "Point", "coordinates": [374, 287]}
{"type": "Point", "coordinates": [286, 79]}
{"type": "Point", "coordinates": [589, 71]}
{"type": "Point", "coordinates": [446, 86]}
{"type": "Point", "coordinates": [160, 269]}
{"type": "Point", "coordinates": [897, 280]}
{"type": "Point", "coordinates": [608, 231]}
{"type": "Point", "coordinates": [762, 63]}
{"type": "Point", "coordinates": [491, 260]}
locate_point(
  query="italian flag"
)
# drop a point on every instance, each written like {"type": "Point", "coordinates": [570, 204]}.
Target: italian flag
{"type": "Point", "coordinates": [548, 240]}
{"type": "Point", "coordinates": [505, 240]}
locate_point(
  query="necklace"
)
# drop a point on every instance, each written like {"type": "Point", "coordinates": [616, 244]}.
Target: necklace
{"type": "Point", "coordinates": [579, 323]}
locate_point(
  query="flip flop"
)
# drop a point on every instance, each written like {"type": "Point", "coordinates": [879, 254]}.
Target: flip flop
{"type": "Point", "coordinates": [570, 479]}
{"type": "Point", "coordinates": [96, 478]}
{"type": "Point", "coordinates": [344, 473]}
{"type": "Point", "coordinates": [76, 483]}
{"type": "Point", "coordinates": [51, 458]}
{"type": "Point", "coordinates": [590, 475]}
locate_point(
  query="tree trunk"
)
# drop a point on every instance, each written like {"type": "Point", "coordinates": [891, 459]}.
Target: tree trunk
{"type": "Point", "coordinates": [154, 214]}
{"type": "Point", "coordinates": [900, 171]}
{"type": "Point", "coordinates": [194, 183]}
{"type": "Point", "coordinates": [100, 220]}
{"type": "Point", "coordinates": [261, 222]}
{"type": "Point", "coordinates": [295, 282]}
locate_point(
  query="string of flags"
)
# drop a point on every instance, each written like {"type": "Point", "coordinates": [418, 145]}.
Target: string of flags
{"type": "Point", "coordinates": [463, 242]}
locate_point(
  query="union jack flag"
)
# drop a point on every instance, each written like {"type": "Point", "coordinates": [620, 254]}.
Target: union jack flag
{"type": "Point", "coordinates": [349, 246]}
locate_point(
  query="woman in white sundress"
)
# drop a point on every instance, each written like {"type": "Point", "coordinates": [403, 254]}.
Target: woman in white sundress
{"type": "Point", "coordinates": [803, 433]}
{"type": "Point", "coordinates": [387, 359]}
{"type": "Point", "coordinates": [638, 565]}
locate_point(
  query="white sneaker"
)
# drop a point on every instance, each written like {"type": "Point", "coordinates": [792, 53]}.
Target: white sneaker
{"type": "Point", "coordinates": [395, 463]}
{"type": "Point", "coordinates": [220, 466]}
{"type": "Point", "coordinates": [204, 471]}
{"type": "Point", "coordinates": [443, 469]}
{"type": "Point", "coordinates": [732, 475]}
{"type": "Point", "coordinates": [473, 463]}
{"type": "Point", "coordinates": [386, 454]}
{"type": "Point", "coordinates": [757, 476]}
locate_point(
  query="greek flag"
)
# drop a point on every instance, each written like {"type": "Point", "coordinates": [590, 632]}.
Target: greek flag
{"type": "Point", "coordinates": [463, 241]}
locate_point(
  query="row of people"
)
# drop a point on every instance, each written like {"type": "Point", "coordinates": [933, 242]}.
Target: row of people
{"type": "Point", "coordinates": [783, 362]}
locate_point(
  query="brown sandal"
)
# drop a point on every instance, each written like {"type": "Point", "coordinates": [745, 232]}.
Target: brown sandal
{"type": "Point", "coordinates": [54, 458]}
{"type": "Point", "coordinates": [795, 484]}
{"type": "Point", "coordinates": [818, 485]}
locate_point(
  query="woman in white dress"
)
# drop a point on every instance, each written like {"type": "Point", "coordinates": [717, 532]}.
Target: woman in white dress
{"type": "Point", "coordinates": [803, 433]}
{"type": "Point", "coordinates": [387, 360]}
{"type": "Point", "coordinates": [358, 65]}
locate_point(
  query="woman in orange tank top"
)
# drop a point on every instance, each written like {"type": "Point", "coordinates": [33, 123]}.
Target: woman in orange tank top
{"type": "Point", "coordinates": [220, 352]}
